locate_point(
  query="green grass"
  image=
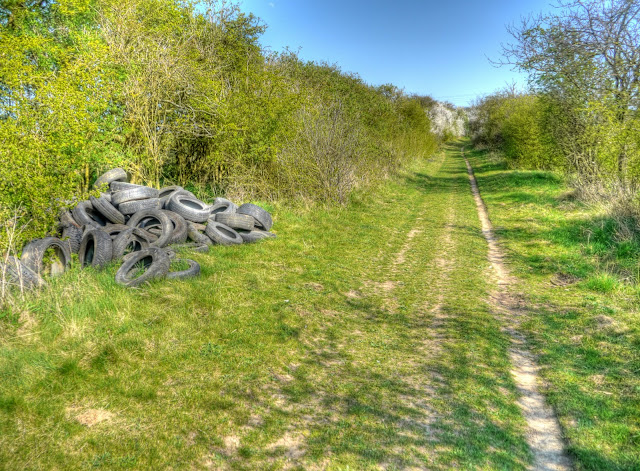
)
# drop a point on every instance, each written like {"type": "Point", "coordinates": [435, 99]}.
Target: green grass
{"type": "Point", "coordinates": [316, 349]}
{"type": "Point", "coordinates": [360, 338]}
{"type": "Point", "coordinates": [579, 272]}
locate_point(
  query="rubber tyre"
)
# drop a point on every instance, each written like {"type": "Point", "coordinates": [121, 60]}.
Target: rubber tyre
{"type": "Point", "coordinates": [262, 217]}
{"type": "Point", "coordinates": [223, 208]}
{"type": "Point", "coordinates": [130, 240]}
{"type": "Point", "coordinates": [15, 273]}
{"type": "Point", "coordinates": [180, 233]}
{"type": "Point", "coordinates": [193, 246]}
{"type": "Point", "coordinates": [96, 249]}
{"type": "Point", "coordinates": [220, 200]}
{"type": "Point", "coordinates": [132, 207]}
{"type": "Point", "coordinates": [114, 229]}
{"type": "Point", "coordinates": [236, 221]}
{"type": "Point", "coordinates": [157, 265]}
{"type": "Point", "coordinates": [155, 230]}
{"type": "Point", "coordinates": [104, 207]}
{"type": "Point", "coordinates": [190, 208]}
{"type": "Point", "coordinates": [148, 236]}
{"type": "Point", "coordinates": [222, 235]}
{"type": "Point", "coordinates": [254, 236]}
{"type": "Point", "coordinates": [66, 219]}
{"type": "Point", "coordinates": [192, 271]}
{"type": "Point", "coordinates": [113, 175]}
{"type": "Point", "coordinates": [196, 236]}
{"type": "Point", "coordinates": [162, 218]}
{"type": "Point", "coordinates": [72, 236]}
{"type": "Point", "coordinates": [167, 192]}
{"type": "Point", "coordinates": [85, 215]}
{"type": "Point", "coordinates": [133, 194]}
{"type": "Point", "coordinates": [33, 253]}
{"type": "Point", "coordinates": [120, 186]}
{"type": "Point", "coordinates": [177, 193]}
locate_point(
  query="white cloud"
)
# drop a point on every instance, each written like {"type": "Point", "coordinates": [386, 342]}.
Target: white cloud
{"type": "Point", "coordinates": [272, 5]}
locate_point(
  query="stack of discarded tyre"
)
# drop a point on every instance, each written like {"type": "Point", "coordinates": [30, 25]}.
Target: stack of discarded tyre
{"type": "Point", "coordinates": [142, 226]}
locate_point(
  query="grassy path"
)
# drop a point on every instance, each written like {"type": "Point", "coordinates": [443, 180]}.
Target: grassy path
{"type": "Point", "coordinates": [543, 430]}
{"type": "Point", "coordinates": [359, 339]}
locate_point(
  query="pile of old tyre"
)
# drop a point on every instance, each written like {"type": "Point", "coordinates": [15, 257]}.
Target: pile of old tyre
{"type": "Point", "coordinates": [143, 227]}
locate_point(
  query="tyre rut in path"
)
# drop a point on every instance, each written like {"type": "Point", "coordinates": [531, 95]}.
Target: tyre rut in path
{"type": "Point", "coordinates": [543, 430]}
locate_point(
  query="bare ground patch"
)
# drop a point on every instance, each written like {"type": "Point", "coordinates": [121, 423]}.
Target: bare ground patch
{"type": "Point", "coordinates": [89, 417]}
{"type": "Point", "coordinates": [400, 257]}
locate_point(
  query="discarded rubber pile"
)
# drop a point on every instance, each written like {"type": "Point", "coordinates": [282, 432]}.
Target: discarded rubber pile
{"type": "Point", "coordinates": [141, 226]}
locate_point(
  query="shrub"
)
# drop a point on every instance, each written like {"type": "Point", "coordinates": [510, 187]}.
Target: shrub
{"type": "Point", "coordinates": [181, 92]}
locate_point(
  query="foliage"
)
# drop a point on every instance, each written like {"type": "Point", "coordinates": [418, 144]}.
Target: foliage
{"type": "Point", "coordinates": [55, 109]}
{"type": "Point", "coordinates": [581, 114]}
{"type": "Point", "coordinates": [585, 61]}
{"type": "Point", "coordinates": [520, 126]}
{"type": "Point", "coordinates": [181, 92]}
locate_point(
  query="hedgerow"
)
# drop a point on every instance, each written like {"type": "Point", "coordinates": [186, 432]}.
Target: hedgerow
{"type": "Point", "coordinates": [180, 92]}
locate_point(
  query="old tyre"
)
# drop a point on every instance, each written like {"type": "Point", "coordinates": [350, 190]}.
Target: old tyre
{"type": "Point", "coordinates": [167, 192]}
{"type": "Point", "coordinates": [155, 230]}
{"type": "Point", "coordinates": [120, 186]}
{"type": "Point", "coordinates": [223, 207]}
{"type": "Point", "coordinates": [170, 253]}
{"type": "Point", "coordinates": [130, 240]}
{"type": "Point", "coordinates": [153, 216]}
{"type": "Point", "coordinates": [132, 194]}
{"type": "Point", "coordinates": [262, 217]}
{"type": "Point", "coordinates": [85, 215]}
{"type": "Point", "coordinates": [143, 266]}
{"type": "Point", "coordinates": [66, 219]}
{"type": "Point", "coordinates": [196, 236]}
{"type": "Point", "coordinates": [151, 238]}
{"type": "Point", "coordinates": [190, 208]}
{"type": "Point", "coordinates": [220, 200]}
{"type": "Point", "coordinates": [113, 175]}
{"type": "Point", "coordinates": [114, 229]}
{"type": "Point", "coordinates": [46, 256]}
{"type": "Point", "coordinates": [190, 272]}
{"type": "Point", "coordinates": [104, 207]}
{"type": "Point", "coordinates": [132, 207]}
{"type": "Point", "coordinates": [193, 247]}
{"type": "Point", "coordinates": [236, 221]}
{"type": "Point", "coordinates": [96, 249]}
{"type": "Point", "coordinates": [72, 236]}
{"type": "Point", "coordinates": [255, 235]}
{"type": "Point", "coordinates": [180, 234]}
{"type": "Point", "coordinates": [181, 192]}
{"type": "Point", "coordinates": [221, 234]}
{"type": "Point", "coordinates": [15, 273]}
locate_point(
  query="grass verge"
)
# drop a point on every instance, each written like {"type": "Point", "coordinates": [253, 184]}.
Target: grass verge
{"type": "Point", "coordinates": [578, 269]}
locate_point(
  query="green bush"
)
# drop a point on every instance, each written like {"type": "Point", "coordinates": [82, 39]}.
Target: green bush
{"type": "Point", "coordinates": [179, 92]}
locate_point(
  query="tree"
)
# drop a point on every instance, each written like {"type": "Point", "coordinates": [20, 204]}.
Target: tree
{"type": "Point", "coordinates": [585, 57]}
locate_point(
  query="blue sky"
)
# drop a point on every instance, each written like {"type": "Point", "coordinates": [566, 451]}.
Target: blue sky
{"type": "Point", "coordinates": [439, 48]}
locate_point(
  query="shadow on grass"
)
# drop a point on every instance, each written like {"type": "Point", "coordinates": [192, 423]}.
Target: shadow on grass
{"type": "Point", "coordinates": [588, 240]}
{"type": "Point", "coordinates": [385, 419]}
